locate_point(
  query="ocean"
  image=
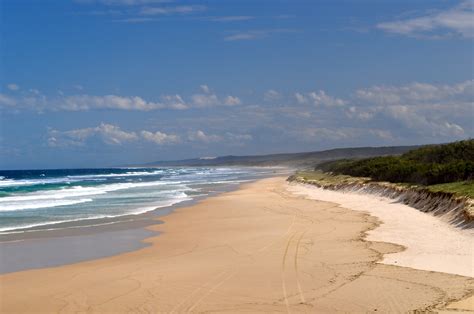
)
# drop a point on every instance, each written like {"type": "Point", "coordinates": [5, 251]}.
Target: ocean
{"type": "Point", "coordinates": [51, 199]}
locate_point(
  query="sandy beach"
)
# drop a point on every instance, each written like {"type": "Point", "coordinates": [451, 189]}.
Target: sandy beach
{"type": "Point", "coordinates": [261, 248]}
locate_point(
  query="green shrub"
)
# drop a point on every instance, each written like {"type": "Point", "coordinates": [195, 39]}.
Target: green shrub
{"type": "Point", "coordinates": [427, 165]}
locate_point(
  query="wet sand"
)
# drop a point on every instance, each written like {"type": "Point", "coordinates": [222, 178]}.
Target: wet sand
{"type": "Point", "coordinates": [258, 249]}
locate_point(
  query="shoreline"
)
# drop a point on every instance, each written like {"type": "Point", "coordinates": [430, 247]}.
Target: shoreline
{"type": "Point", "coordinates": [88, 240]}
{"type": "Point", "coordinates": [257, 248]}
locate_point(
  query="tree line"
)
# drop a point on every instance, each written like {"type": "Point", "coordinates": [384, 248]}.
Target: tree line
{"type": "Point", "coordinates": [427, 165]}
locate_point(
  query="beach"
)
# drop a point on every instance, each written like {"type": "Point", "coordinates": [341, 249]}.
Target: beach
{"type": "Point", "coordinates": [261, 248]}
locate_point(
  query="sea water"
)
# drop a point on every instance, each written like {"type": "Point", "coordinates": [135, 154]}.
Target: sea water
{"type": "Point", "coordinates": [51, 198]}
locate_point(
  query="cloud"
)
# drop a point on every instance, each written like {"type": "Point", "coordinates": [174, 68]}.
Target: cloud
{"type": "Point", "coordinates": [318, 134]}
{"type": "Point", "coordinates": [204, 100]}
{"type": "Point", "coordinates": [319, 98]}
{"type": "Point", "coordinates": [136, 20]}
{"type": "Point", "coordinates": [41, 103]}
{"type": "Point", "coordinates": [425, 108]}
{"type": "Point", "coordinates": [209, 99]}
{"type": "Point", "coordinates": [234, 18]}
{"type": "Point", "coordinates": [271, 95]}
{"type": "Point", "coordinates": [232, 101]}
{"type": "Point", "coordinates": [243, 36]}
{"type": "Point", "coordinates": [239, 137]}
{"type": "Point", "coordinates": [205, 89]}
{"type": "Point", "coordinates": [458, 20]}
{"type": "Point", "coordinates": [83, 102]}
{"type": "Point", "coordinates": [182, 9]}
{"type": "Point", "coordinates": [174, 102]}
{"type": "Point", "coordinates": [256, 34]}
{"type": "Point", "coordinates": [200, 136]}
{"type": "Point", "coordinates": [13, 87]}
{"type": "Point", "coordinates": [86, 102]}
{"type": "Point", "coordinates": [122, 2]}
{"type": "Point", "coordinates": [417, 93]}
{"type": "Point", "coordinates": [159, 137]}
{"type": "Point", "coordinates": [7, 101]}
{"type": "Point", "coordinates": [113, 135]}
{"type": "Point", "coordinates": [108, 133]}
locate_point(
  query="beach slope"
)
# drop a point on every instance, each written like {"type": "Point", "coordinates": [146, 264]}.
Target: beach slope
{"type": "Point", "coordinates": [257, 249]}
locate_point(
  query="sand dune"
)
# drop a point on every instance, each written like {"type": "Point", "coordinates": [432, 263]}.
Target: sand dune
{"type": "Point", "coordinates": [431, 243]}
{"type": "Point", "coordinates": [257, 249]}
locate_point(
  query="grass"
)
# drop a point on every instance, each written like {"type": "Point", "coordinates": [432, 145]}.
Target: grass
{"type": "Point", "coordinates": [327, 179]}
{"type": "Point", "coordinates": [462, 188]}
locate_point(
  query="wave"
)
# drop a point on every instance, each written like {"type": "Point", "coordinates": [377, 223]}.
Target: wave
{"type": "Point", "coordinates": [112, 175]}
{"type": "Point", "coordinates": [42, 204]}
{"type": "Point", "coordinates": [181, 197]}
{"type": "Point", "coordinates": [138, 191]}
{"type": "Point", "coordinates": [79, 191]}
{"type": "Point", "coordinates": [4, 182]}
{"type": "Point", "coordinates": [27, 182]}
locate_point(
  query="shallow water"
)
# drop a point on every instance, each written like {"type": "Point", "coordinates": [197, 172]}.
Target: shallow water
{"type": "Point", "coordinates": [51, 198]}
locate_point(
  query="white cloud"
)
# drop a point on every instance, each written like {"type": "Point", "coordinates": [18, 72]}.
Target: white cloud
{"type": "Point", "coordinates": [205, 89]}
{"type": "Point", "coordinates": [319, 134]}
{"type": "Point", "coordinates": [425, 108]}
{"type": "Point", "coordinates": [7, 101]}
{"type": "Point", "coordinates": [13, 87]}
{"type": "Point", "coordinates": [108, 133]}
{"type": "Point", "coordinates": [456, 20]}
{"type": "Point", "coordinates": [300, 98]}
{"type": "Point", "coordinates": [256, 34]}
{"type": "Point", "coordinates": [34, 100]}
{"type": "Point", "coordinates": [234, 18]}
{"type": "Point", "coordinates": [271, 95]}
{"type": "Point", "coordinates": [204, 100]}
{"type": "Point", "coordinates": [133, 20]}
{"type": "Point", "coordinates": [417, 93]}
{"type": "Point", "coordinates": [200, 136]}
{"type": "Point", "coordinates": [160, 137]}
{"type": "Point", "coordinates": [242, 36]}
{"type": "Point", "coordinates": [383, 134]}
{"type": "Point", "coordinates": [232, 101]}
{"type": "Point", "coordinates": [209, 99]}
{"type": "Point", "coordinates": [319, 98]}
{"type": "Point", "coordinates": [123, 2]}
{"type": "Point", "coordinates": [182, 9]}
{"type": "Point", "coordinates": [174, 102]}
{"type": "Point", "coordinates": [86, 102]}
{"type": "Point", "coordinates": [238, 138]}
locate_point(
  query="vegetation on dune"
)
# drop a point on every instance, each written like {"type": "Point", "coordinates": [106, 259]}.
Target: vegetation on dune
{"type": "Point", "coordinates": [462, 188]}
{"type": "Point", "coordinates": [429, 165]}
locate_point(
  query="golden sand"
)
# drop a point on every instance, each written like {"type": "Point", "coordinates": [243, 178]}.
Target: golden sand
{"type": "Point", "coordinates": [257, 249]}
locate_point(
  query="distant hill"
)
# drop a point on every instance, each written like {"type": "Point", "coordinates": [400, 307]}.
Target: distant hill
{"type": "Point", "coordinates": [297, 160]}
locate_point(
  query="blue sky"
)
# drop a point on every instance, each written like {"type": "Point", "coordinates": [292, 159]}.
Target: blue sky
{"type": "Point", "coordinates": [91, 83]}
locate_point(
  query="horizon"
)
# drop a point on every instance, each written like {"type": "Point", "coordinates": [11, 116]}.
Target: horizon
{"type": "Point", "coordinates": [97, 83]}
{"type": "Point", "coordinates": [150, 164]}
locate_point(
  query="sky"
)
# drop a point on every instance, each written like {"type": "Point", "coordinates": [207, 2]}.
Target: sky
{"type": "Point", "coordinates": [96, 83]}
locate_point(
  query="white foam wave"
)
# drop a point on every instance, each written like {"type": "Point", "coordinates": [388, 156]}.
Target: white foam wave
{"type": "Point", "coordinates": [180, 197]}
{"type": "Point", "coordinates": [112, 175]}
{"type": "Point", "coordinates": [41, 204]}
{"type": "Point", "coordinates": [26, 182]}
{"type": "Point", "coordinates": [78, 191]}
{"type": "Point", "coordinates": [74, 178]}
